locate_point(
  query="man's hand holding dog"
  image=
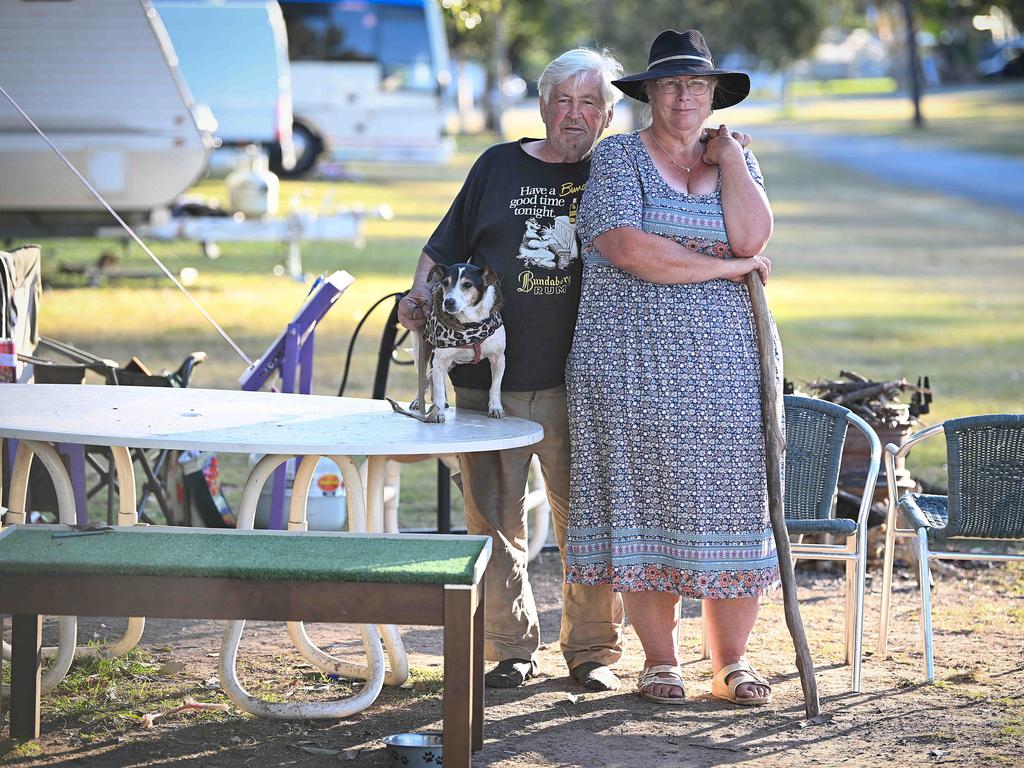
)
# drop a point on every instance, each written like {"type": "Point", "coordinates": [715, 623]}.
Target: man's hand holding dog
{"type": "Point", "coordinates": [410, 309]}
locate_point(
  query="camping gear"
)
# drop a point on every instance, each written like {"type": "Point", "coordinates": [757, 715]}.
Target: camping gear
{"type": "Point", "coordinates": [20, 294]}
{"type": "Point", "coordinates": [202, 485]}
{"type": "Point", "coordinates": [156, 465]}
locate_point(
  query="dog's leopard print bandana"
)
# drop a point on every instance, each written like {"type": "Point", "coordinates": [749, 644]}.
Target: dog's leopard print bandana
{"type": "Point", "coordinates": [446, 336]}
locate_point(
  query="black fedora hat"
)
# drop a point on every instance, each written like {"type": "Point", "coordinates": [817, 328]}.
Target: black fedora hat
{"type": "Point", "coordinates": [686, 53]}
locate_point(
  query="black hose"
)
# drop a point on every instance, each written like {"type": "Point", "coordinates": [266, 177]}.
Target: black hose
{"type": "Point", "coordinates": [355, 334]}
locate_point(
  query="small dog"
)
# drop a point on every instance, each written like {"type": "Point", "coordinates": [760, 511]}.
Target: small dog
{"type": "Point", "coordinates": [463, 325]}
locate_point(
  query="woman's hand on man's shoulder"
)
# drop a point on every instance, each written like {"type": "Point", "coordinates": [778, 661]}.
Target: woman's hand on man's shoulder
{"type": "Point", "coordinates": [721, 141]}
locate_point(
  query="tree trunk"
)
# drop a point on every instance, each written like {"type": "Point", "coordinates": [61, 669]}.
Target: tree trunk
{"type": "Point", "coordinates": [913, 61]}
{"type": "Point", "coordinates": [497, 71]}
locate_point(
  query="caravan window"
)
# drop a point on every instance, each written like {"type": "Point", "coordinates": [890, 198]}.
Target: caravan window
{"type": "Point", "coordinates": [395, 35]}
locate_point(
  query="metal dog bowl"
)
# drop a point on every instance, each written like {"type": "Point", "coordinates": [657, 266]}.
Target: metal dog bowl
{"type": "Point", "coordinates": [413, 750]}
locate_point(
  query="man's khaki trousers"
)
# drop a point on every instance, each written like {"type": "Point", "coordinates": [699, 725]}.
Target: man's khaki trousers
{"type": "Point", "coordinates": [494, 483]}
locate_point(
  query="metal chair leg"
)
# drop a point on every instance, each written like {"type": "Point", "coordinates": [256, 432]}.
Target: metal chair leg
{"type": "Point", "coordinates": [858, 621]}
{"type": "Point", "coordinates": [850, 594]}
{"type": "Point", "coordinates": [890, 546]}
{"type": "Point", "coordinates": [926, 602]}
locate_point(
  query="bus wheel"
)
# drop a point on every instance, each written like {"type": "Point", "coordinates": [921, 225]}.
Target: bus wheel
{"type": "Point", "coordinates": [308, 147]}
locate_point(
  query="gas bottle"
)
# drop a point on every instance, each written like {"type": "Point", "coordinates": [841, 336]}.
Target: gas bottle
{"type": "Point", "coordinates": [252, 189]}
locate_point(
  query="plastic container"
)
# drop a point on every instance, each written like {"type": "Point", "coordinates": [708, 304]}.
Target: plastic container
{"type": "Point", "coordinates": [325, 504]}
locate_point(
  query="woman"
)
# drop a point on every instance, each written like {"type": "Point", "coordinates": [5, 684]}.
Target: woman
{"type": "Point", "coordinates": [668, 468]}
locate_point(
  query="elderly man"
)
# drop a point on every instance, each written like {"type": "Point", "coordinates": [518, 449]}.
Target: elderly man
{"type": "Point", "coordinates": [516, 212]}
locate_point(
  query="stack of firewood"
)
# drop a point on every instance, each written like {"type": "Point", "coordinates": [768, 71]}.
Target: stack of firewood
{"type": "Point", "coordinates": [877, 402]}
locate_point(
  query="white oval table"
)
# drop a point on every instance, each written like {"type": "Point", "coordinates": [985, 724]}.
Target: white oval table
{"type": "Point", "coordinates": [279, 426]}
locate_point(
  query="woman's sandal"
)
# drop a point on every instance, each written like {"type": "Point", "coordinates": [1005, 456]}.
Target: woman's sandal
{"type": "Point", "coordinates": [721, 689]}
{"type": "Point", "coordinates": [661, 674]}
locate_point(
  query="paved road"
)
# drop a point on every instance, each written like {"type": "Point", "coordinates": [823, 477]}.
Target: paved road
{"type": "Point", "coordinates": [985, 178]}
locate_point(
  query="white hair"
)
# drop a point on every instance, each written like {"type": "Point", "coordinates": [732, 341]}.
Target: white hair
{"type": "Point", "coordinates": [580, 61]}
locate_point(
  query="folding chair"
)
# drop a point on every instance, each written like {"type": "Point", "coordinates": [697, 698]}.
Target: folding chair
{"type": "Point", "coordinates": [287, 364]}
{"type": "Point", "coordinates": [984, 507]}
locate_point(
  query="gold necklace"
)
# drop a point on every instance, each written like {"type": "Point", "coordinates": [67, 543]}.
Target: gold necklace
{"type": "Point", "coordinates": [677, 165]}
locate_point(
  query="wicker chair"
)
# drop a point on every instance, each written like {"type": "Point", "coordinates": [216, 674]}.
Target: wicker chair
{"type": "Point", "coordinates": [984, 508]}
{"type": "Point", "coordinates": [815, 434]}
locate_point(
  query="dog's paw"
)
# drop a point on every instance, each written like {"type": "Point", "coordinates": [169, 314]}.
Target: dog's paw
{"type": "Point", "coordinates": [435, 415]}
{"type": "Point", "coordinates": [496, 413]}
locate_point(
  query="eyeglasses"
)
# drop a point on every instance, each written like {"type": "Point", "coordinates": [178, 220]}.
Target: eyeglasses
{"type": "Point", "coordinates": [696, 87]}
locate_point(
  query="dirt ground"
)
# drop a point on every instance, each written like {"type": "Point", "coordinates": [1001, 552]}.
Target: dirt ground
{"type": "Point", "coordinates": [972, 715]}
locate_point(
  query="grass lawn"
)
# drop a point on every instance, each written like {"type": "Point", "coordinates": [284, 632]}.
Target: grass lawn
{"type": "Point", "coordinates": [887, 282]}
{"type": "Point", "coordinates": [980, 118]}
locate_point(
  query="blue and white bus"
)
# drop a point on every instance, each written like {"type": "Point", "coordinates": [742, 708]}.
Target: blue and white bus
{"type": "Point", "coordinates": [368, 80]}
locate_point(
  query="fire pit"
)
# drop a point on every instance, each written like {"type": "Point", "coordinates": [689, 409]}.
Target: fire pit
{"type": "Point", "coordinates": [877, 402]}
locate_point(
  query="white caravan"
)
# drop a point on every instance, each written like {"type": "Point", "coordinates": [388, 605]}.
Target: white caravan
{"type": "Point", "coordinates": [96, 77]}
{"type": "Point", "coordinates": [368, 80]}
{"type": "Point", "coordinates": [234, 58]}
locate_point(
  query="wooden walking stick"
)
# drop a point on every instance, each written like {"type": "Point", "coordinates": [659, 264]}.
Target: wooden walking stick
{"type": "Point", "coordinates": [774, 446]}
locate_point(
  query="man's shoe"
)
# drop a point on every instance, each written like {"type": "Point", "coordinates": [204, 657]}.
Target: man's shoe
{"type": "Point", "coordinates": [510, 673]}
{"type": "Point", "coordinates": [595, 676]}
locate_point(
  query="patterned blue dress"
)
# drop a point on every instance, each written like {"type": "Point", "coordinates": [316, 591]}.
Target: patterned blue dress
{"type": "Point", "coordinates": [668, 465]}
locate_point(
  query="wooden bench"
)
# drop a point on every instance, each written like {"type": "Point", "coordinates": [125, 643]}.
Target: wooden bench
{"type": "Point", "coordinates": [163, 572]}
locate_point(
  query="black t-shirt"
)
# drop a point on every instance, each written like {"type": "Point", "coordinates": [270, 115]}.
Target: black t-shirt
{"type": "Point", "coordinates": [517, 214]}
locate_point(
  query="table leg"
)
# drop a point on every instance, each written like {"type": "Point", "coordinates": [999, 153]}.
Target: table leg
{"type": "Point", "coordinates": [246, 519]}
{"type": "Point", "coordinates": [309, 710]}
{"type": "Point", "coordinates": [397, 658]}
{"type": "Point", "coordinates": [478, 668]}
{"type": "Point", "coordinates": [354, 496]}
{"type": "Point", "coordinates": [373, 672]}
{"type": "Point", "coordinates": [126, 513]}
{"type": "Point", "coordinates": [66, 513]}
{"type": "Point", "coordinates": [398, 662]}
{"type": "Point", "coordinates": [126, 516]}
{"type": "Point", "coordinates": [375, 493]}
{"type": "Point", "coordinates": [18, 494]}
{"type": "Point", "coordinates": [297, 519]}
{"type": "Point", "coordinates": [26, 662]}
{"type": "Point", "coordinates": [457, 706]}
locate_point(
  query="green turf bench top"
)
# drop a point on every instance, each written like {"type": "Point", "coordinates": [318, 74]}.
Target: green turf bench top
{"type": "Point", "coordinates": [230, 554]}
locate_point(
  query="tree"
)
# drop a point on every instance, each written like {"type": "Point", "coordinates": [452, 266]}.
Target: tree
{"type": "Point", "coordinates": [538, 30]}
{"type": "Point", "coordinates": [523, 35]}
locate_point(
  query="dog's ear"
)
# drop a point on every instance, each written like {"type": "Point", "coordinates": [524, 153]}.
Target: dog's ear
{"type": "Point", "coordinates": [437, 270]}
{"type": "Point", "coordinates": [490, 276]}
